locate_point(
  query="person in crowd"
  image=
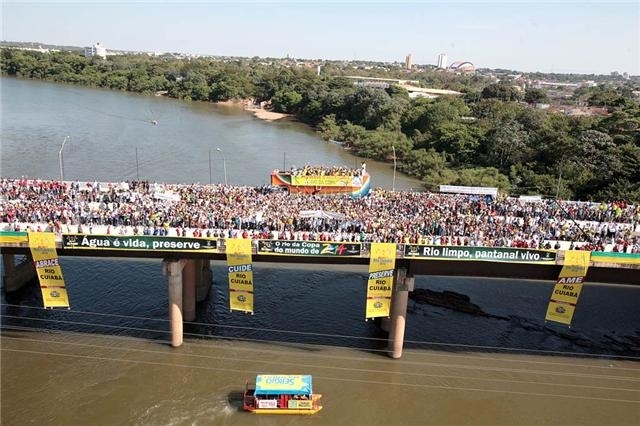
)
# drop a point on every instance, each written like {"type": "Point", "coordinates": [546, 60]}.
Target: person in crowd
{"type": "Point", "coordinates": [220, 211]}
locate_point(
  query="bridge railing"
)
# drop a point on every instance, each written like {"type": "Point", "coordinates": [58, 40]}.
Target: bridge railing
{"type": "Point", "coordinates": [161, 245]}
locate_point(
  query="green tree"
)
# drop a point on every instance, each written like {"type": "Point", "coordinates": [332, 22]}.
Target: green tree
{"type": "Point", "coordinates": [329, 128]}
{"type": "Point", "coordinates": [623, 125]}
{"type": "Point", "coordinates": [459, 140]}
{"type": "Point", "coordinates": [492, 112]}
{"type": "Point", "coordinates": [483, 176]}
{"type": "Point", "coordinates": [535, 96]}
{"type": "Point", "coordinates": [287, 101]}
{"type": "Point", "coordinates": [380, 144]}
{"type": "Point", "coordinates": [507, 145]}
{"type": "Point", "coordinates": [115, 81]}
{"type": "Point", "coordinates": [423, 117]}
{"type": "Point", "coordinates": [427, 165]}
{"type": "Point", "coordinates": [503, 91]}
{"type": "Point", "coordinates": [367, 107]}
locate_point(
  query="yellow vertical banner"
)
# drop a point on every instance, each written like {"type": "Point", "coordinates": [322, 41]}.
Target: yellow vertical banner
{"type": "Point", "coordinates": [380, 284]}
{"type": "Point", "coordinates": [566, 292]}
{"type": "Point", "coordinates": [240, 272]}
{"type": "Point", "coordinates": [45, 259]}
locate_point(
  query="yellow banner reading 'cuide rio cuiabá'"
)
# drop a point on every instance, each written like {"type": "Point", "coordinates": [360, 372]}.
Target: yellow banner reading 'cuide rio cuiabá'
{"type": "Point", "coordinates": [45, 260]}
{"type": "Point", "coordinates": [566, 292]}
{"type": "Point", "coordinates": [240, 271]}
{"type": "Point", "coordinates": [380, 283]}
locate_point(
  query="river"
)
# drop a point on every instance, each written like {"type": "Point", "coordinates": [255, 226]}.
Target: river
{"type": "Point", "coordinates": [107, 361]}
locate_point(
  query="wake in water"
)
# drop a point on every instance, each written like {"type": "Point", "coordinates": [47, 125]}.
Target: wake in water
{"type": "Point", "coordinates": [216, 409]}
{"type": "Point", "coordinates": [151, 121]}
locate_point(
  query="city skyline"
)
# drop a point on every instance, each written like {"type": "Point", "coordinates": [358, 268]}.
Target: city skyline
{"type": "Point", "coordinates": [570, 37]}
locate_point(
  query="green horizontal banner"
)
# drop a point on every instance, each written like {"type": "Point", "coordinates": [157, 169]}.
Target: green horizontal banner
{"type": "Point", "coordinates": [308, 248]}
{"type": "Point", "coordinates": [13, 237]}
{"type": "Point", "coordinates": [14, 233]}
{"type": "Point", "coordinates": [613, 257]}
{"type": "Point", "coordinates": [138, 242]}
{"type": "Point", "coordinates": [490, 254]}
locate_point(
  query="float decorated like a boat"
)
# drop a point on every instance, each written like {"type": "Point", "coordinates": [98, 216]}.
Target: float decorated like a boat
{"type": "Point", "coordinates": [324, 180]}
{"type": "Point", "coordinates": [281, 394]}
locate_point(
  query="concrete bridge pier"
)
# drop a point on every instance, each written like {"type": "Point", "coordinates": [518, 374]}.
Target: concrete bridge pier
{"type": "Point", "coordinates": [190, 274]}
{"type": "Point", "coordinates": [15, 276]}
{"type": "Point", "coordinates": [173, 269]}
{"type": "Point", "coordinates": [189, 281]}
{"type": "Point", "coordinates": [402, 286]}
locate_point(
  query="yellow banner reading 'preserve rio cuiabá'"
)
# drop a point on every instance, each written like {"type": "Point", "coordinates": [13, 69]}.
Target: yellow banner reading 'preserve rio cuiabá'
{"type": "Point", "coordinates": [45, 259]}
{"type": "Point", "coordinates": [240, 272]}
{"type": "Point", "coordinates": [566, 292]}
{"type": "Point", "coordinates": [380, 284]}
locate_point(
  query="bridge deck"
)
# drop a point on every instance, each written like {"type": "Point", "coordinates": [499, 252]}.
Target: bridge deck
{"type": "Point", "coordinates": [604, 272]}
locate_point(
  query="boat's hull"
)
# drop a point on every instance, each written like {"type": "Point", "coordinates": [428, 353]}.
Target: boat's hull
{"type": "Point", "coordinates": [284, 411]}
{"type": "Point", "coordinates": [311, 406]}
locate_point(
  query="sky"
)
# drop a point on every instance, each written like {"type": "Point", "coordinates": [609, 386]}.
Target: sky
{"type": "Point", "coordinates": [547, 36]}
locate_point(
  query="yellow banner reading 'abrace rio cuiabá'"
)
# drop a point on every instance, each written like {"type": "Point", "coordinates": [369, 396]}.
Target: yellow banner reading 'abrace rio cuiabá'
{"type": "Point", "coordinates": [48, 269]}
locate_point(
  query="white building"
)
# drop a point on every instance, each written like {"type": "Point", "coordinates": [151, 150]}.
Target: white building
{"type": "Point", "coordinates": [442, 60]}
{"type": "Point", "coordinates": [95, 50]}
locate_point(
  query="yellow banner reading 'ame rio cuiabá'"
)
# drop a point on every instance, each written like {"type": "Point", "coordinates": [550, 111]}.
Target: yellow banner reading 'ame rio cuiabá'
{"type": "Point", "coordinates": [380, 283]}
{"type": "Point", "coordinates": [240, 272]}
{"type": "Point", "coordinates": [45, 259]}
{"type": "Point", "coordinates": [566, 292]}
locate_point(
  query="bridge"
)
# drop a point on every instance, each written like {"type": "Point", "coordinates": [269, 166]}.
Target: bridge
{"type": "Point", "coordinates": [186, 263]}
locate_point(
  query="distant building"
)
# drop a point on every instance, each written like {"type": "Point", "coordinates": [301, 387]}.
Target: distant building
{"type": "Point", "coordinates": [95, 50]}
{"type": "Point", "coordinates": [390, 80]}
{"type": "Point", "coordinates": [442, 60]}
{"type": "Point", "coordinates": [464, 67]}
{"type": "Point", "coordinates": [408, 62]}
{"type": "Point", "coordinates": [375, 84]}
{"type": "Point", "coordinates": [38, 49]}
{"type": "Point", "coordinates": [424, 92]}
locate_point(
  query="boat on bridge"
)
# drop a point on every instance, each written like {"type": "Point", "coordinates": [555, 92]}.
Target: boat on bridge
{"type": "Point", "coordinates": [281, 394]}
{"type": "Point", "coordinates": [324, 180]}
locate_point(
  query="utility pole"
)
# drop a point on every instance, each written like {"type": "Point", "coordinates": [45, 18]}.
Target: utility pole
{"type": "Point", "coordinates": [224, 165]}
{"type": "Point", "coordinates": [393, 188]}
{"type": "Point", "coordinates": [61, 160]}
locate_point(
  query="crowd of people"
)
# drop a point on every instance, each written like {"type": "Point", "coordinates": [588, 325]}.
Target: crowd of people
{"type": "Point", "coordinates": [310, 170]}
{"type": "Point", "coordinates": [222, 211]}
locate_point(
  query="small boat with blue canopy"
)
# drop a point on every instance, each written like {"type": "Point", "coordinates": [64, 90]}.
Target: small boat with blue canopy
{"type": "Point", "coordinates": [281, 394]}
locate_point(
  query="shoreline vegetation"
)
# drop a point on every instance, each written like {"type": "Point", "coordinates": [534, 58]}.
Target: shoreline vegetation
{"type": "Point", "coordinates": [491, 134]}
{"type": "Point", "coordinates": [259, 111]}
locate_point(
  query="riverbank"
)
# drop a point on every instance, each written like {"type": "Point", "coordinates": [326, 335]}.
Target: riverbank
{"type": "Point", "coordinates": [258, 111]}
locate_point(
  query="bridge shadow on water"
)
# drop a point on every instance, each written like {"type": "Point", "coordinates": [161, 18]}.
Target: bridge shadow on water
{"type": "Point", "coordinates": [542, 337]}
{"type": "Point", "coordinates": [450, 315]}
